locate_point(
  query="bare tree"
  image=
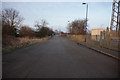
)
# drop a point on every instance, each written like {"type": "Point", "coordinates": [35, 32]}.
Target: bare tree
{"type": "Point", "coordinates": [0, 19]}
{"type": "Point", "coordinates": [77, 27]}
{"type": "Point", "coordinates": [0, 23]}
{"type": "Point", "coordinates": [11, 17]}
{"type": "Point", "coordinates": [69, 28]}
{"type": "Point", "coordinates": [40, 24]}
{"type": "Point", "coordinates": [42, 28]}
{"type": "Point", "coordinates": [119, 23]}
{"type": "Point", "coordinates": [44, 23]}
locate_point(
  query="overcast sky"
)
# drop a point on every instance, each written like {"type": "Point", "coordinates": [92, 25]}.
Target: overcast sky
{"type": "Point", "coordinates": [57, 14]}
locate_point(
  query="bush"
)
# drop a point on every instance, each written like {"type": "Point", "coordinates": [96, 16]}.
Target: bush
{"type": "Point", "coordinates": [44, 31]}
{"type": "Point", "coordinates": [8, 30]}
{"type": "Point", "coordinates": [8, 40]}
{"type": "Point", "coordinates": [26, 31]}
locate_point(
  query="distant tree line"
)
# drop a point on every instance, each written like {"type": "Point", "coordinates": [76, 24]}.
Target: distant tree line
{"type": "Point", "coordinates": [12, 25]}
{"type": "Point", "coordinates": [42, 29]}
{"type": "Point", "coordinates": [77, 27]}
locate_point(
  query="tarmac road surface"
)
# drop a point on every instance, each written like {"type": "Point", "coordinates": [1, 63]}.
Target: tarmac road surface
{"type": "Point", "coordinates": [58, 57]}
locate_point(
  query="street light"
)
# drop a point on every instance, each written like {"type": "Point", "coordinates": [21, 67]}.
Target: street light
{"type": "Point", "coordinates": [86, 14]}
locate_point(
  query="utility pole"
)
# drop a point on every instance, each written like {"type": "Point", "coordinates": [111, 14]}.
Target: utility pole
{"type": "Point", "coordinates": [115, 15]}
{"type": "Point", "coordinates": [119, 15]}
{"type": "Point", "coordinates": [86, 19]}
{"type": "Point", "coordinates": [86, 15]}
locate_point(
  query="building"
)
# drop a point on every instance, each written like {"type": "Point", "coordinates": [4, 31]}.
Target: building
{"type": "Point", "coordinates": [95, 34]}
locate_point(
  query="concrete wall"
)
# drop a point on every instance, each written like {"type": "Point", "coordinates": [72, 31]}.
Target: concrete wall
{"type": "Point", "coordinates": [78, 38]}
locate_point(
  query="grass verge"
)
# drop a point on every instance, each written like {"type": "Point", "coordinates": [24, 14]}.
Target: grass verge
{"type": "Point", "coordinates": [10, 43]}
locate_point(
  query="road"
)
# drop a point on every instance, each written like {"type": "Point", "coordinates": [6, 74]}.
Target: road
{"type": "Point", "coordinates": [58, 57]}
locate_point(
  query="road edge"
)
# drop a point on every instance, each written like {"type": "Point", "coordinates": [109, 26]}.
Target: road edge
{"type": "Point", "coordinates": [105, 53]}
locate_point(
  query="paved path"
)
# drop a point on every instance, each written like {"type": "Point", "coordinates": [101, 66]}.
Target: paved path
{"type": "Point", "coordinates": [58, 58]}
{"type": "Point", "coordinates": [108, 52]}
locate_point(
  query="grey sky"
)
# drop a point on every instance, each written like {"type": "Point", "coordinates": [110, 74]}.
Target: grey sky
{"type": "Point", "coordinates": [58, 14]}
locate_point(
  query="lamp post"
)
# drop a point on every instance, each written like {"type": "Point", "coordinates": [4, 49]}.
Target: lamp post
{"type": "Point", "coordinates": [86, 15]}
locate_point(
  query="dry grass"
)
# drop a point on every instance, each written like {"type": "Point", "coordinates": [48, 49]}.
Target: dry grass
{"type": "Point", "coordinates": [10, 43]}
